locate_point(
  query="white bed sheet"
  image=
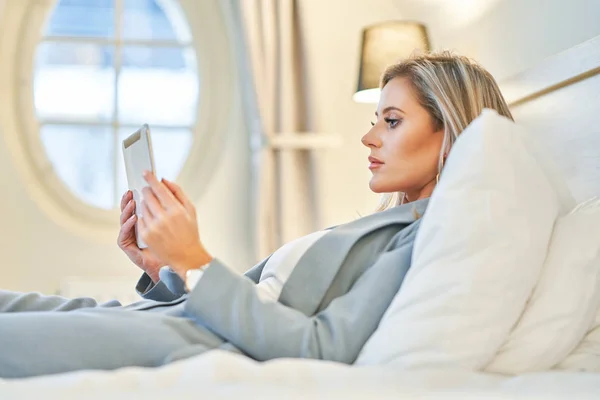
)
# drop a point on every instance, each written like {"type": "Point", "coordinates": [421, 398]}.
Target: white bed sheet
{"type": "Point", "coordinates": [223, 375]}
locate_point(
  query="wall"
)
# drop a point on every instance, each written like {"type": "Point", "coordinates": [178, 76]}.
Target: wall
{"type": "Point", "coordinates": [506, 36]}
{"type": "Point", "coordinates": [510, 35]}
{"type": "Point", "coordinates": [36, 253]}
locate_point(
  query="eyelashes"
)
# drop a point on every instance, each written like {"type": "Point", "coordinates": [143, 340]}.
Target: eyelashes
{"type": "Point", "coordinates": [392, 122]}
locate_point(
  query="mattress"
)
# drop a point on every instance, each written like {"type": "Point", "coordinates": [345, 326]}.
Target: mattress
{"type": "Point", "coordinates": [222, 375]}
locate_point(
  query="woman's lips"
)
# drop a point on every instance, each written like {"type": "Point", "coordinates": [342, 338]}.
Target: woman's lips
{"type": "Point", "coordinates": [374, 163]}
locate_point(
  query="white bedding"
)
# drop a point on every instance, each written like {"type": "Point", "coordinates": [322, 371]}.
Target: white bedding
{"type": "Point", "coordinates": [223, 375]}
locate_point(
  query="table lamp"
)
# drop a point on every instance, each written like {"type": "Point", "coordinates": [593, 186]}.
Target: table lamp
{"type": "Point", "coordinates": [384, 44]}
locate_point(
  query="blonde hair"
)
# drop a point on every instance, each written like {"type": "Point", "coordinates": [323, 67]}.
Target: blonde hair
{"type": "Point", "coordinates": [453, 89]}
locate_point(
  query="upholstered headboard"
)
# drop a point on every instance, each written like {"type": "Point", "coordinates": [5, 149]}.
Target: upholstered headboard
{"type": "Point", "coordinates": [559, 100]}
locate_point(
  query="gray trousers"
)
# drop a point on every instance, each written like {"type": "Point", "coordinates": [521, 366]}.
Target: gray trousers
{"type": "Point", "coordinates": [42, 335]}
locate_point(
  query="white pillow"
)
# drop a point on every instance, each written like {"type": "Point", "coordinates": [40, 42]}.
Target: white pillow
{"type": "Point", "coordinates": [586, 356]}
{"type": "Point", "coordinates": [477, 255]}
{"type": "Point", "coordinates": [564, 302]}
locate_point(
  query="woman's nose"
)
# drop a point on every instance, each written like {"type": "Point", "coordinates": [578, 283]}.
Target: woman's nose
{"type": "Point", "coordinates": [370, 139]}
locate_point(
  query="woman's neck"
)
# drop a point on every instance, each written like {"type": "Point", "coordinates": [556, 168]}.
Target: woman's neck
{"type": "Point", "coordinates": [422, 193]}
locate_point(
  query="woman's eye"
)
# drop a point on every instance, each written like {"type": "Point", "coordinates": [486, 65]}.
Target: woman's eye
{"type": "Point", "coordinates": [372, 123]}
{"type": "Point", "coordinates": [392, 122]}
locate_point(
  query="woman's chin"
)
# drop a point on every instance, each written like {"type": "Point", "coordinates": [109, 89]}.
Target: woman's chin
{"type": "Point", "coordinates": [376, 186]}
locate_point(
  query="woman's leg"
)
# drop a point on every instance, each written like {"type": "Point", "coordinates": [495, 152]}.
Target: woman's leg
{"type": "Point", "coordinates": [41, 343]}
{"type": "Point", "coordinates": [12, 302]}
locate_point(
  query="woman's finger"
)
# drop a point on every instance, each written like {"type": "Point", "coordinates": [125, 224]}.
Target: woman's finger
{"type": "Point", "coordinates": [146, 212]}
{"type": "Point", "coordinates": [164, 196]}
{"type": "Point", "coordinates": [152, 202]}
{"type": "Point", "coordinates": [127, 211]}
{"type": "Point", "coordinates": [126, 198]}
{"type": "Point", "coordinates": [126, 234]}
{"type": "Point", "coordinates": [179, 194]}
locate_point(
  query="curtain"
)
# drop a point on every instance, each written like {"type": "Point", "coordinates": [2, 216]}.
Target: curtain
{"type": "Point", "coordinates": [283, 193]}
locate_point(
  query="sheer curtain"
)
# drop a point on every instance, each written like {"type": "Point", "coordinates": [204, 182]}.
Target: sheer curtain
{"type": "Point", "coordinates": [271, 58]}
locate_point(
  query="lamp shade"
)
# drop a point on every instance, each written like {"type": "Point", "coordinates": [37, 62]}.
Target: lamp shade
{"type": "Point", "coordinates": [384, 44]}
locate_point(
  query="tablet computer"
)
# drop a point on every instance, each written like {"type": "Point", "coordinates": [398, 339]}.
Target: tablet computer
{"type": "Point", "coordinates": [137, 152]}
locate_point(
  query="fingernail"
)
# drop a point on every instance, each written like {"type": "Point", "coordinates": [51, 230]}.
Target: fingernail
{"type": "Point", "coordinates": [132, 217]}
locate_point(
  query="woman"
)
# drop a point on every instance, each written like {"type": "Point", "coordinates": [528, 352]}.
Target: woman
{"type": "Point", "coordinates": [321, 296]}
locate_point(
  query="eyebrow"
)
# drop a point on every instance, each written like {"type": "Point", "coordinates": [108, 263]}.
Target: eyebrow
{"type": "Point", "coordinates": [390, 109]}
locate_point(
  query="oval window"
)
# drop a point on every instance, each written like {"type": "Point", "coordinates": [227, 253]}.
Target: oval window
{"type": "Point", "coordinates": [102, 69]}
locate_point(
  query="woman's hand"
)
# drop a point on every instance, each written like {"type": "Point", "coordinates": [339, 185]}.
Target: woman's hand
{"type": "Point", "coordinates": [127, 242]}
{"type": "Point", "coordinates": [169, 226]}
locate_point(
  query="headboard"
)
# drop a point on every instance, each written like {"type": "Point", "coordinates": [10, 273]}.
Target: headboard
{"type": "Point", "coordinates": [559, 100]}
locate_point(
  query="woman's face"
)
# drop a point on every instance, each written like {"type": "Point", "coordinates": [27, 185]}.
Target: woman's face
{"type": "Point", "coordinates": [405, 147]}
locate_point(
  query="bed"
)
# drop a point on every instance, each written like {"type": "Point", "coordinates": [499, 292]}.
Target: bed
{"type": "Point", "coordinates": [559, 99]}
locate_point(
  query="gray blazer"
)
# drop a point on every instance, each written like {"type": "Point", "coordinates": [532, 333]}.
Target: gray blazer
{"type": "Point", "coordinates": [330, 305]}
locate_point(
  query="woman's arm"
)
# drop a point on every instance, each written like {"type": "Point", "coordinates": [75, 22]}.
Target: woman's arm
{"type": "Point", "coordinates": [229, 305]}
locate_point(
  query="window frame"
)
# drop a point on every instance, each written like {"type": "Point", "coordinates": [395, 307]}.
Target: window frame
{"type": "Point", "coordinates": [215, 65]}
